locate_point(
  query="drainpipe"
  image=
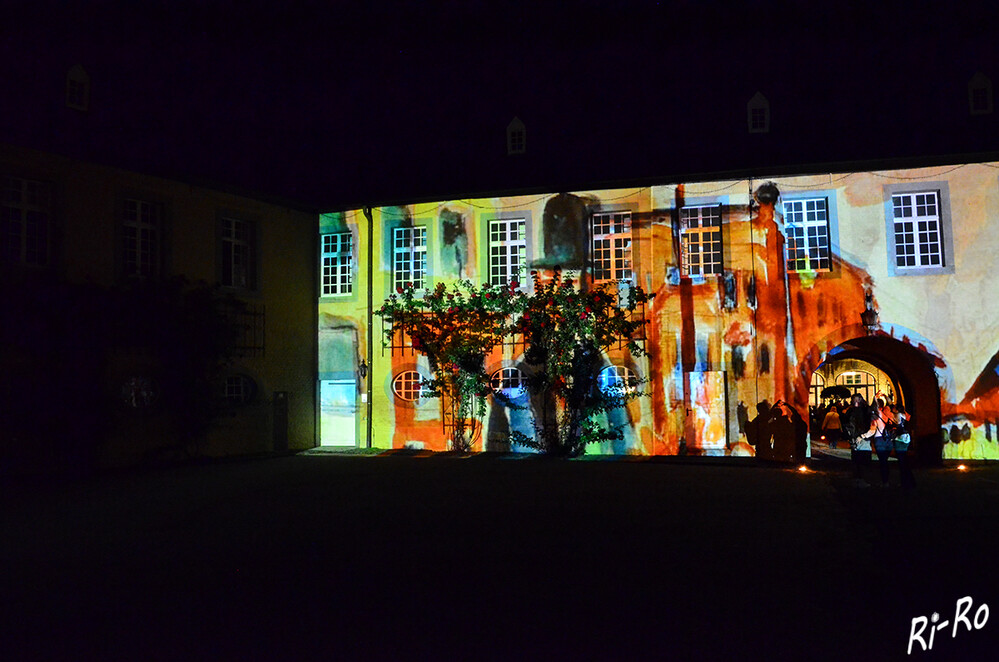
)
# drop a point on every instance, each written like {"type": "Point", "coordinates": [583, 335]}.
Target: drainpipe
{"type": "Point", "coordinates": [370, 338]}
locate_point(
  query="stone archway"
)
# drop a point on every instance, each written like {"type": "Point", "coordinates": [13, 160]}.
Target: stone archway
{"type": "Point", "coordinates": [913, 372]}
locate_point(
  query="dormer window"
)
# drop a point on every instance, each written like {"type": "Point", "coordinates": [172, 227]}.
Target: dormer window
{"type": "Point", "coordinates": [980, 94]}
{"type": "Point", "coordinates": [516, 137]}
{"type": "Point", "coordinates": [758, 114]}
{"type": "Point", "coordinates": [78, 88]}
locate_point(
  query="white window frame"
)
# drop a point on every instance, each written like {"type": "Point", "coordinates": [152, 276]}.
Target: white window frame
{"type": "Point", "coordinates": [918, 230]}
{"type": "Point", "coordinates": [141, 238]}
{"type": "Point", "coordinates": [507, 255]}
{"type": "Point", "coordinates": [237, 236]}
{"type": "Point", "coordinates": [409, 257]}
{"type": "Point", "coordinates": [617, 380]}
{"type": "Point", "coordinates": [859, 381]}
{"type": "Point", "coordinates": [25, 221]}
{"type": "Point", "coordinates": [337, 258]}
{"type": "Point", "coordinates": [510, 382]}
{"type": "Point", "coordinates": [927, 232]}
{"type": "Point", "coordinates": [611, 245]}
{"type": "Point", "coordinates": [809, 237]}
{"type": "Point", "coordinates": [238, 389]}
{"type": "Point", "coordinates": [700, 228]}
{"type": "Point", "coordinates": [408, 386]}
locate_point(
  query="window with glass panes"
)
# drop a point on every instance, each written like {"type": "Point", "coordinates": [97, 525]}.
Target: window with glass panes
{"type": "Point", "coordinates": [612, 246]}
{"type": "Point", "coordinates": [237, 253]}
{"type": "Point", "coordinates": [701, 240]}
{"type": "Point", "coordinates": [918, 236]}
{"type": "Point", "coordinates": [508, 382]}
{"type": "Point", "coordinates": [140, 235]}
{"type": "Point", "coordinates": [408, 385]}
{"type": "Point", "coordinates": [337, 251]}
{"type": "Point", "coordinates": [238, 389]}
{"type": "Point", "coordinates": [806, 223]}
{"type": "Point", "coordinates": [409, 250]}
{"type": "Point", "coordinates": [507, 250]}
{"type": "Point", "coordinates": [25, 220]}
{"type": "Point", "coordinates": [617, 379]}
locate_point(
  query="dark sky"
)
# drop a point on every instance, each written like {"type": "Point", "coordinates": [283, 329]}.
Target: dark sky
{"type": "Point", "coordinates": [343, 103]}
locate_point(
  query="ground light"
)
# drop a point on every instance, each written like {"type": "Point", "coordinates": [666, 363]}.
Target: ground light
{"type": "Point", "coordinates": [803, 469]}
{"type": "Point", "coordinates": [962, 467]}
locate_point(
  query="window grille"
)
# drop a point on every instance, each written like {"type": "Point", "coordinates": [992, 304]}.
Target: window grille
{"type": "Point", "coordinates": [612, 246]}
{"type": "Point", "coordinates": [701, 240]}
{"type": "Point", "coordinates": [337, 254]}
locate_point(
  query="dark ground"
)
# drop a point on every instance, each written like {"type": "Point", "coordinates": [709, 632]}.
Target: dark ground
{"type": "Point", "coordinates": [326, 557]}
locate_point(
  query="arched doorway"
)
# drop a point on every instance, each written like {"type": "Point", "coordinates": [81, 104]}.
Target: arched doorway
{"type": "Point", "coordinates": [907, 371]}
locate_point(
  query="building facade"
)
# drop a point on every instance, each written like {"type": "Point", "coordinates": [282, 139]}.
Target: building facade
{"type": "Point", "coordinates": [759, 287]}
{"type": "Point", "coordinates": [71, 233]}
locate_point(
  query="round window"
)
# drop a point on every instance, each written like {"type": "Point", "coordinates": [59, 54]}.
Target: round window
{"type": "Point", "coordinates": [239, 389]}
{"type": "Point", "coordinates": [408, 386]}
{"type": "Point", "coordinates": [508, 383]}
{"type": "Point", "coordinates": [617, 380]}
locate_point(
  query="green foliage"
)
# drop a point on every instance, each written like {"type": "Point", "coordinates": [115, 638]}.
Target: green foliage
{"type": "Point", "coordinates": [567, 329]}
{"type": "Point", "coordinates": [455, 328]}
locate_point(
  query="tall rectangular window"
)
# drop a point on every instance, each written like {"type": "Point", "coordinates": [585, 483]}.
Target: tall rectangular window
{"type": "Point", "coordinates": [337, 253]}
{"type": "Point", "coordinates": [238, 253]}
{"type": "Point", "coordinates": [918, 235]}
{"type": "Point", "coordinates": [701, 240]}
{"type": "Point", "coordinates": [806, 223]}
{"type": "Point", "coordinates": [141, 237]}
{"type": "Point", "coordinates": [612, 246]}
{"type": "Point", "coordinates": [25, 221]}
{"type": "Point", "coordinates": [409, 250]}
{"type": "Point", "coordinates": [507, 250]}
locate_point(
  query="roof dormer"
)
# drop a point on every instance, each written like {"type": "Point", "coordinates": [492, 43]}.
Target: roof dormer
{"type": "Point", "coordinates": [516, 137]}
{"type": "Point", "coordinates": [758, 114]}
{"type": "Point", "coordinates": [980, 94]}
{"type": "Point", "coordinates": [78, 88]}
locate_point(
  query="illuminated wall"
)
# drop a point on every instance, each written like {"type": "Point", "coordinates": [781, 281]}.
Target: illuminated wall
{"type": "Point", "coordinates": [755, 283]}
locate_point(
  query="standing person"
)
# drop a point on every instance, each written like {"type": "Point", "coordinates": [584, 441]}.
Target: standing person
{"type": "Point", "coordinates": [881, 421]}
{"type": "Point", "coordinates": [758, 432]}
{"type": "Point", "coordinates": [782, 430]}
{"type": "Point", "coordinates": [831, 426]}
{"type": "Point", "coordinates": [902, 440]}
{"type": "Point", "coordinates": [854, 423]}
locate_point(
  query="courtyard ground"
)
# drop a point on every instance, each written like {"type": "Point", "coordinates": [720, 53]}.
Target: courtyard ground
{"type": "Point", "coordinates": [416, 557]}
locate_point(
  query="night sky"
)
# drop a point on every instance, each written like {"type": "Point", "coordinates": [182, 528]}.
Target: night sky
{"type": "Point", "coordinates": [339, 104]}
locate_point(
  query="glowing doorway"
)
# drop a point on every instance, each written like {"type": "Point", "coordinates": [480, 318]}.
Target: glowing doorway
{"type": "Point", "coordinates": [337, 412]}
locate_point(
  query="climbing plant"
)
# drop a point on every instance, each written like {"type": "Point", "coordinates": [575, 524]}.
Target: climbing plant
{"type": "Point", "coordinates": [455, 328]}
{"type": "Point", "coordinates": [566, 330]}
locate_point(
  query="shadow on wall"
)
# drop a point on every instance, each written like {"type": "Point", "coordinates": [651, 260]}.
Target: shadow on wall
{"type": "Point", "coordinates": [778, 433]}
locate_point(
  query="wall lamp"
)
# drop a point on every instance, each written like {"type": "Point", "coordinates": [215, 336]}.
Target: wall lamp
{"type": "Point", "coordinates": [869, 318]}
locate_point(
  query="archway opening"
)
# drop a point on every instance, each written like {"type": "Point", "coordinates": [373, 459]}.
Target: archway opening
{"type": "Point", "coordinates": [880, 364]}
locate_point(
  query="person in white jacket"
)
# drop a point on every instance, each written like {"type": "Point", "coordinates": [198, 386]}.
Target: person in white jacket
{"type": "Point", "coordinates": [883, 419]}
